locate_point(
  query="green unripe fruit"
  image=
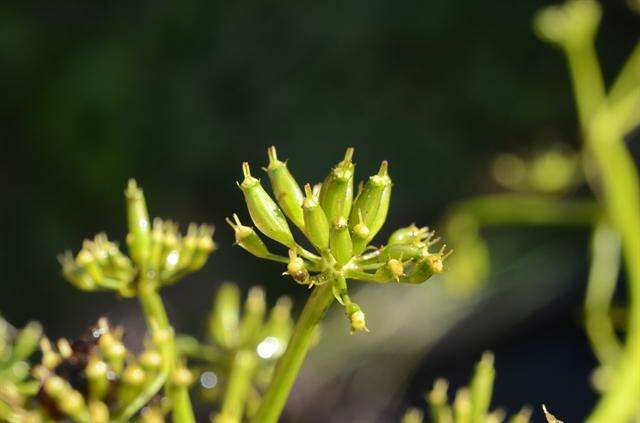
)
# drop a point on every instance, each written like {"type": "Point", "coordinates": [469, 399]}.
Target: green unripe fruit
{"type": "Point", "coordinates": [336, 194]}
{"type": "Point", "coordinates": [225, 316]}
{"type": "Point", "coordinates": [288, 194]}
{"type": "Point", "coordinates": [248, 239]}
{"type": "Point", "coordinates": [265, 213]}
{"type": "Point", "coordinates": [371, 206]}
{"type": "Point", "coordinates": [315, 221]}
{"type": "Point", "coordinates": [139, 226]}
{"type": "Point", "coordinates": [340, 242]}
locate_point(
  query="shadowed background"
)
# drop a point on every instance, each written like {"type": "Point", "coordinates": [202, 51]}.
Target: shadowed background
{"type": "Point", "coordinates": [178, 94]}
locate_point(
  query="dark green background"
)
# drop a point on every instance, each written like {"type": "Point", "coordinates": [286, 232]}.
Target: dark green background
{"type": "Point", "coordinates": [177, 94]}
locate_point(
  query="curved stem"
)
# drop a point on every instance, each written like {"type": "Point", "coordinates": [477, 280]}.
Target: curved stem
{"type": "Point", "coordinates": [289, 364]}
{"type": "Point", "coordinates": [603, 275]}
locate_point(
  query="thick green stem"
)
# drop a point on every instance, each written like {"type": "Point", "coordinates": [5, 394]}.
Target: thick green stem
{"type": "Point", "coordinates": [529, 209]}
{"type": "Point", "coordinates": [621, 201]}
{"type": "Point", "coordinates": [235, 397]}
{"type": "Point", "coordinates": [289, 364]}
{"type": "Point", "coordinates": [603, 275]}
{"type": "Point", "coordinates": [157, 321]}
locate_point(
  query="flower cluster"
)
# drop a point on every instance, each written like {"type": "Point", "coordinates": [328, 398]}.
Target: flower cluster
{"type": "Point", "coordinates": [16, 388]}
{"type": "Point", "coordinates": [240, 351]}
{"type": "Point", "coordinates": [471, 404]}
{"type": "Point", "coordinates": [339, 226]}
{"type": "Point", "coordinates": [159, 253]}
{"type": "Point", "coordinates": [96, 378]}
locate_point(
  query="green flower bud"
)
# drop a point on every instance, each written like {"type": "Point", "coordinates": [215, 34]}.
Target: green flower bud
{"type": "Point", "coordinates": [50, 358]}
{"type": "Point", "coordinates": [188, 249]}
{"type": "Point", "coordinates": [371, 205]}
{"type": "Point", "coordinates": [224, 319]}
{"type": "Point", "coordinates": [570, 24]}
{"type": "Point", "coordinates": [410, 235]}
{"type": "Point", "coordinates": [139, 226]}
{"type": "Point", "coordinates": [287, 191]}
{"type": "Point", "coordinates": [336, 194]}
{"type": "Point", "coordinates": [64, 348]}
{"type": "Point", "coordinates": [71, 272]}
{"type": "Point", "coordinates": [133, 375]}
{"type": "Point", "coordinates": [315, 221]}
{"type": "Point", "coordinates": [340, 242]}
{"type": "Point", "coordinates": [113, 350]}
{"type": "Point", "coordinates": [171, 247]}
{"type": "Point", "coordinates": [437, 399]}
{"type": "Point", "coordinates": [265, 213]}
{"type": "Point", "coordinates": [297, 268]}
{"type": "Point", "coordinates": [248, 239]}
{"type": "Point", "coordinates": [97, 376]}
{"type": "Point", "coordinates": [413, 415]}
{"type": "Point", "coordinates": [254, 310]}
{"type": "Point", "coordinates": [151, 415]}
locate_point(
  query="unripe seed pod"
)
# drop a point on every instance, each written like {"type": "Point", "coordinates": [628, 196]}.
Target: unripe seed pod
{"type": "Point", "coordinates": [156, 245]}
{"type": "Point", "coordinates": [315, 221]}
{"type": "Point", "coordinates": [481, 386]}
{"type": "Point", "coordinates": [150, 360]}
{"type": "Point", "coordinates": [340, 242]}
{"type": "Point", "coordinates": [55, 386]}
{"type": "Point", "coordinates": [425, 268]}
{"type": "Point", "coordinates": [254, 310]}
{"type": "Point", "coordinates": [248, 239]}
{"type": "Point", "coordinates": [204, 247]}
{"type": "Point", "coordinates": [26, 341]}
{"type": "Point", "coordinates": [372, 204]}
{"type": "Point", "coordinates": [223, 321]}
{"type": "Point", "coordinates": [336, 194]}
{"type": "Point", "coordinates": [138, 219]}
{"type": "Point", "coordinates": [98, 412]}
{"type": "Point", "coordinates": [360, 233]}
{"type": "Point", "coordinates": [296, 268]}
{"type": "Point", "coordinates": [396, 268]}
{"type": "Point", "coordinates": [97, 375]}
{"type": "Point", "coordinates": [182, 376]}
{"type": "Point", "coordinates": [400, 251]}
{"type": "Point", "coordinates": [385, 197]}
{"type": "Point", "coordinates": [409, 235]}
{"type": "Point", "coordinates": [280, 325]}
{"type": "Point", "coordinates": [265, 213]}
{"type": "Point", "coordinates": [72, 404]}
{"type": "Point", "coordinates": [287, 191]}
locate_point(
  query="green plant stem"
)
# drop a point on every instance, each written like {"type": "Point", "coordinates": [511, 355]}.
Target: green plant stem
{"type": "Point", "coordinates": [621, 201]}
{"type": "Point", "coordinates": [529, 209]}
{"type": "Point", "coordinates": [157, 320]}
{"type": "Point", "coordinates": [603, 275]}
{"type": "Point", "coordinates": [629, 77]}
{"type": "Point", "coordinates": [289, 364]}
{"type": "Point", "coordinates": [239, 385]}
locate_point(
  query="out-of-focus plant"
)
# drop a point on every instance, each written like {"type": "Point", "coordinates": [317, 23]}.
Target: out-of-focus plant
{"type": "Point", "coordinates": [158, 255]}
{"type": "Point", "coordinates": [16, 386]}
{"type": "Point", "coordinates": [471, 404]}
{"type": "Point", "coordinates": [540, 197]}
{"type": "Point", "coordinates": [340, 227]}
{"type": "Point", "coordinates": [236, 361]}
